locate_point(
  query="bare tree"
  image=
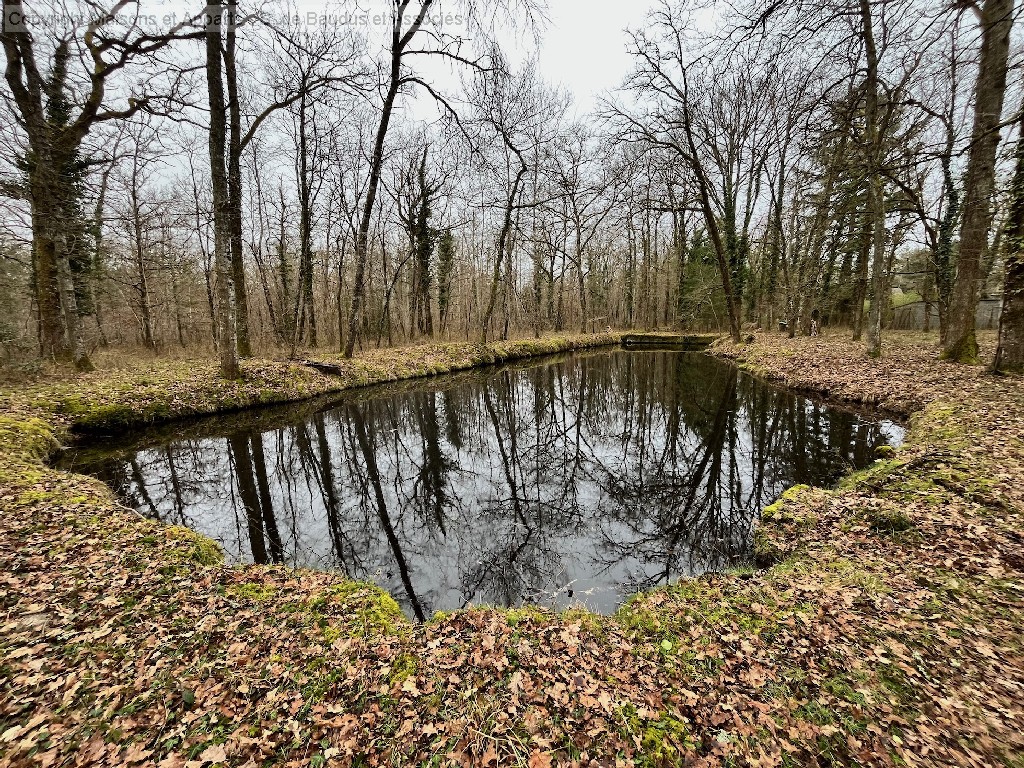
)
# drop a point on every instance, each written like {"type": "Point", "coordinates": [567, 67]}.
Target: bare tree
{"type": "Point", "coordinates": [409, 22]}
{"type": "Point", "coordinates": [709, 119]}
{"type": "Point", "coordinates": [298, 68]}
{"type": "Point", "coordinates": [524, 114]}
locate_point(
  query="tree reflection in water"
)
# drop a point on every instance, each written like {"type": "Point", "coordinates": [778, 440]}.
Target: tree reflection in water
{"type": "Point", "coordinates": [580, 480]}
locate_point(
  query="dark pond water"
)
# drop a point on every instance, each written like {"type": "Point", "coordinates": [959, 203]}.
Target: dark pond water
{"type": "Point", "coordinates": [579, 479]}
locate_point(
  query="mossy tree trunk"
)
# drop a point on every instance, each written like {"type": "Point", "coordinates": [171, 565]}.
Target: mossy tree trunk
{"type": "Point", "coordinates": [996, 22]}
{"type": "Point", "coordinates": [227, 340]}
{"type": "Point", "coordinates": [52, 343]}
{"type": "Point", "coordinates": [59, 316]}
{"type": "Point", "coordinates": [55, 132]}
{"type": "Point", "coordinates": [1010, 351]}
{"type": "Point", "coordinates": [876, 184]}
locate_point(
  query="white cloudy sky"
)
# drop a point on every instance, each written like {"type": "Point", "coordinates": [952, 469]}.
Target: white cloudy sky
{"type": "Point", "coordinates": [585, 45]}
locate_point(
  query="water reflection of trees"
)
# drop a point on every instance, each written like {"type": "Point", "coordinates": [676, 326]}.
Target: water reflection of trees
{"type": "Point", "coordinates": [596, 474]}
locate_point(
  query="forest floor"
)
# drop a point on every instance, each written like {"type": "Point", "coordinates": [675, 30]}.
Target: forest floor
{"type": "Point", "coordinates": [887, 631]}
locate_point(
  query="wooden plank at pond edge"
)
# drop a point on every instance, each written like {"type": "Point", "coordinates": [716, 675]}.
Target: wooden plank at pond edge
{"type": "Point", "coordinates": [685, 342]}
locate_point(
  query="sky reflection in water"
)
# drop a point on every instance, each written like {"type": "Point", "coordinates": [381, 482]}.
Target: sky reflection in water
{"type": "Point", "coordinates": [581, 480]}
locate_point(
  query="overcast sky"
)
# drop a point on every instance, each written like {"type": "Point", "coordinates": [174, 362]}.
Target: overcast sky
{"type": "Point", "coordinates": [582, 48]}
{"type": "Point", "coordinates": [585, 46]}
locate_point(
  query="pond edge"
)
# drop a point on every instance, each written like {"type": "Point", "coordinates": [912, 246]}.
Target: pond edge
{"type": "Point", "coordinates": [58, 412]}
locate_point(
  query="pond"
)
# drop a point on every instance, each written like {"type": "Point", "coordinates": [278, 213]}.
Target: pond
{"type": "Point", "coordinates": [579, 479]}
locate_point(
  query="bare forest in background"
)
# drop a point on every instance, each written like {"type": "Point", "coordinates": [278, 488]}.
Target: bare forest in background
{"type": "Point", "coordinates": [252, 182]}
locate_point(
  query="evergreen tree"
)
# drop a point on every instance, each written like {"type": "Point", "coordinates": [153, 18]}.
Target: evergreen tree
{"type": "Point", "coordinates": [425, 238]}
{"type": "Point", "coordinates": [445, 268]}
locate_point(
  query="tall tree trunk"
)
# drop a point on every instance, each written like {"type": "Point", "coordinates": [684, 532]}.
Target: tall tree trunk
{"type": "Point", "coordinates": [878, 298]}
{"type": "Point", "coordinates": [1010, 351]}
{"type": "Point", "coordinates": [285, 329]}
{"type": "Point", "coordinates": [423, 250]}
{"type": "Point", "coordinates": [306, 309]}
{"type": "Point", "coordinates": [398, 43]}
{"type": "Point", "coordinates": [944, 245]}
{"type": "Point", "coordinates": [51, 329]}
{"type": "Point", "coordinates": [876, 185]}
{"type": "Point", "coordinates": [996, 22]}
{"type": "Point", "coordinates": [363, 234]}
{"type": "Point", "coordinates": [725, 269]}
{"type": "Point", "coordinates": [503, 237]}
{"type": "Point", "coordinates": [629, 278]}
{"type": "Point", "coordinates": [179, 322]}
{"type": "Point", "coordinates": [97, 223]}
{"type": "Point", "coordinates": [148, 338]}
{"type": "Point", "coordinates": [69, 303]}
{"type": "Point", "coordinates": [227, 339]}
{"type": "Point", "coordinates": [860, 288]}
{"type": "Point", "coordinates": [339, 294]}
{"type": "Point", "coordinates": [235, 196]}
{"type": "Point", "coordinates": [582, 284]}
{"type": "Point", "coordinates": [538, 288]}
{"type": "Point", "coordinates": [59, 322]}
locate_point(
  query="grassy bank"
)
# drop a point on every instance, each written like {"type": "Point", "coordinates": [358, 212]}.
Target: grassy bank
{"type": "Point", "coordinates": [114, 399]}
{"type": "Point", "coordinates": [886, 632]}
